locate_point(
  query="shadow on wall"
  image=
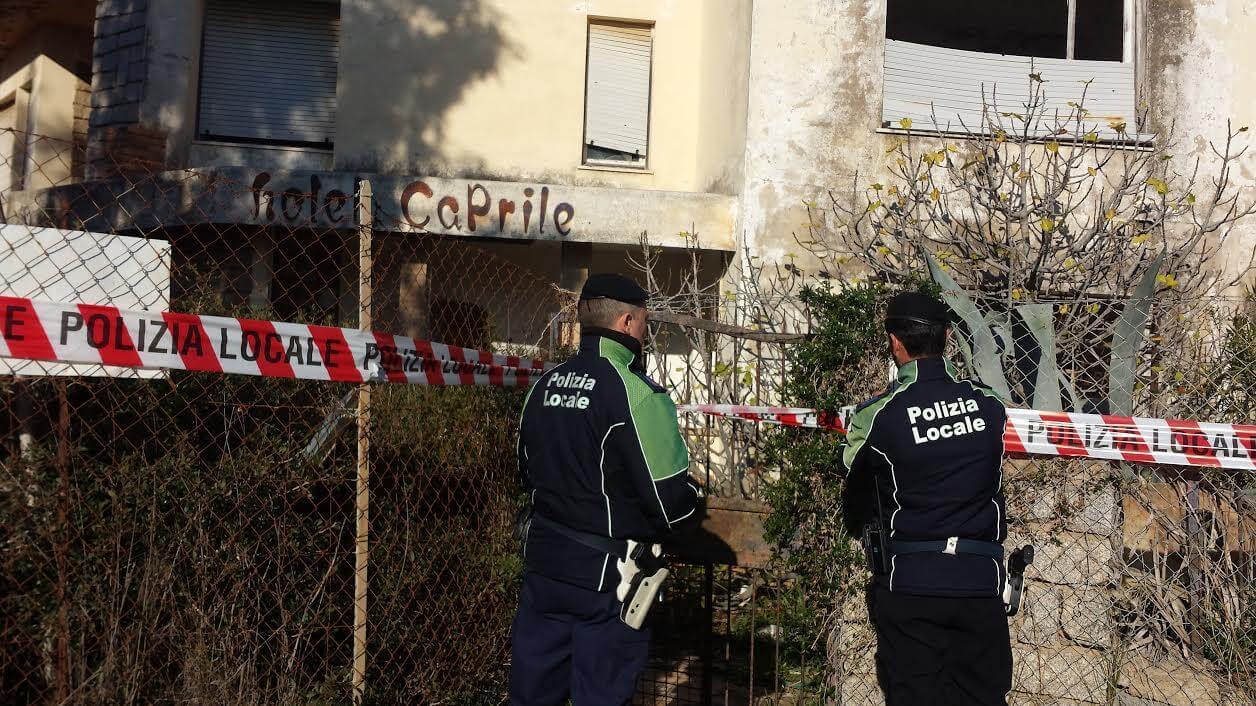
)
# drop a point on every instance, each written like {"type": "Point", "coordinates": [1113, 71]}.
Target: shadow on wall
{"type": "Point", "coordinates": [403, 65]}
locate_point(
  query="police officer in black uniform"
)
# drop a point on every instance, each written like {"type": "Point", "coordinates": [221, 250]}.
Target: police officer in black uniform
{"type": "Point", "coordinates": [601, 454]}
{"type": "Point", "coordinates": [924, 489]}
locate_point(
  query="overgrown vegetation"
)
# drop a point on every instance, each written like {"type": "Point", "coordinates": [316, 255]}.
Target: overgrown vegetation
{"type": "Point", "coordinates": [216, 563]}
{"type": "Point", "coordinates": [845, 360]}
{"type": "Point", "coordinates": [1194, 596]}
{"type": "Point", "coordinates": [1043, 202]}
{"type": "Point", "coordinates": [1055, 237]}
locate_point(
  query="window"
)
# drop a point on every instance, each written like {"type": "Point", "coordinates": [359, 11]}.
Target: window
{"type": "Point", "coordinates": [939, 60]}
{"type": "Point", "coordinates": [268, 71]}
{"type": "Point", "coordinates": [1057, 29]}
{"type": "Point", "coordinates": [617, 94]}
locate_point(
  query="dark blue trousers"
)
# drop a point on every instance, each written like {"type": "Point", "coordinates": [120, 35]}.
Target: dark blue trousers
{"type": "Point", "coordinates": [934, 651]}
{"type": "Point", "coordinates": [569, 643]}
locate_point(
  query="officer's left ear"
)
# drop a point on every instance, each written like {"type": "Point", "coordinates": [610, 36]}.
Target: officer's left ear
{"type": "Point", "coordinates": [633, 323]}
{"type": "Point", "coordinates": [897, 351]}
{"type": "Point", "coordinates": [640, 319]}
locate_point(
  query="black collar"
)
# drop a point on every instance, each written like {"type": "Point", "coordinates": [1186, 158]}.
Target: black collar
{"type": "Point", "coordinates": [933, 367]}
{"type": "Point", "coordinates": [590, 341]}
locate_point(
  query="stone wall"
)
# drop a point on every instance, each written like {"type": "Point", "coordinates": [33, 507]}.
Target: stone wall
{"type": "Point", "coordinates": [1068, 645]}
{"type": "Point", "coordinates": [1061, 639]}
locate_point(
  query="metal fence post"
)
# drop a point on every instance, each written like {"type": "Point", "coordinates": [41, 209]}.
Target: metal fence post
{"type": "Point", "coordinates": [61, 548]}
{"type": "Point", "coordinates": [362, 547]}
{"type": "Point", "coordinates": [1196, 553]}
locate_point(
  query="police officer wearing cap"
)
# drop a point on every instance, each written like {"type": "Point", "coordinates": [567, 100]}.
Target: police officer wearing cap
{"type": "Point", "coordinates": [601, 455]}
{"type": "Point", "coordinates": [924, 490]}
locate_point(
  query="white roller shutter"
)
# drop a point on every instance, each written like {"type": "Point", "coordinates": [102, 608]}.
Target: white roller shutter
{"type": "Point", "coordinates": [268, 70]}
{"type": "Point", "coordinates": [922, 80]}
{"type": "Point", "coordinates": [617, 110]}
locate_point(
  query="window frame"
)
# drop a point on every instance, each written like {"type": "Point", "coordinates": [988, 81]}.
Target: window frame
{"type": "Point", "coordinates": [1128, 36]}
{"type": "Point", "coordinates": [1129, 55]}
{"type": "Point", "coordinates": [638, 165]}
{"type": "Point", "coordinates": [1127, 31]}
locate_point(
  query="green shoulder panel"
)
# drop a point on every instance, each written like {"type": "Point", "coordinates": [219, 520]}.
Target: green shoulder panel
{"type": "Point", "coordinates": [657, 428]}
{"type": "Point", "coordinates": [861, 421]}
{"type": "Point", "coordinates": [658, 432]}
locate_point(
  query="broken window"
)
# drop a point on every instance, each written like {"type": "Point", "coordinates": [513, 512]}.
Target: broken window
{"type": "Point", "coordinates": [1091, 30]}
{"type": "Point", "coordinates": [957, 67]}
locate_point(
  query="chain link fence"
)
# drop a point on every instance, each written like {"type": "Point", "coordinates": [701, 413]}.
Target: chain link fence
{"type": "Point", "coordinates": [1142, 590]}
{"type": "Point", "coordinates": [189, 536]}
{"type": "Point", "coordinates": [177, 535]}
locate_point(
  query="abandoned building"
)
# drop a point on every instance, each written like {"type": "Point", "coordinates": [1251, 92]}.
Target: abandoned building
{"type": "Point", "coordinates": [554, 134]}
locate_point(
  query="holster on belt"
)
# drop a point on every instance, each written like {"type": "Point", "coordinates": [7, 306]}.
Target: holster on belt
{"type": "Point", "coordinates": [1015, 586]}
{"type": "Point", "coordinates": [523, 524]}
{"type": "Point", "coordinates": [876, 541]}
{"type": "Point", "coordinates": [642, 568]}
{"type": "Point", "coordinates": [642, 574]}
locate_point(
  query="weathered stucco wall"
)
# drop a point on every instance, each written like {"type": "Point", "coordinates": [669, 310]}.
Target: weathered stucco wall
{"type": "Point", "coordinates": [775, 103]}
{"type": "Point", "coordinates": [1195, 74]}
{"type": "Point", "coordinates": [816, 93]}
{"type": "Point", "coordinates": [814, 106]}
{"type": "Point", "coordinates": [489, 88]}
{"type": "Point", "coordinates": [493, 89]}
{"type": "Point", "coordinates": [725, 57]}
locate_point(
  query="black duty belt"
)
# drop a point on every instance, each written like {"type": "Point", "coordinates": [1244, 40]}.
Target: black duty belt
{"type": "Point", "coordinates": [953, 545]}
{"type": "Point", "coordinates": [606, 545]}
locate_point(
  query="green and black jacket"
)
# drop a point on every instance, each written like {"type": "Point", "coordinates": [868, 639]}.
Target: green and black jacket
{"type": "Point", "coordinates": [600, 451]}
{"type": "Point", "coordinates": [932, 445]}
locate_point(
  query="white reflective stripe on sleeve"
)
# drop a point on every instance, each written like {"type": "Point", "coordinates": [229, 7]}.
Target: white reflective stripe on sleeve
{"type": "Point", "coordinates": [601, 466]}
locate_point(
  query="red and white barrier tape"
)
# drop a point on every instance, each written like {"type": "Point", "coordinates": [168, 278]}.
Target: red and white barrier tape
{"type": "Point", "coordinates": [1028, 431]}
{"type": "Point", "coordinates": [92, 334]}
{"type": "Point", "coordinates": [785, 416]}
{"type": "Point", "coordinates": [1134, 439]}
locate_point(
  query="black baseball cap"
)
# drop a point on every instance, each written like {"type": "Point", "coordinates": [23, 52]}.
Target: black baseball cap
{"type": "Point", "coordinates": [917, 307]}
{"type": "Point", "coordinates": [606, 285]}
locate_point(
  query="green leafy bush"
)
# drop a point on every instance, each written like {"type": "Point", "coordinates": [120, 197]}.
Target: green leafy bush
{"type": "Point", "coordinates": [845, 362]}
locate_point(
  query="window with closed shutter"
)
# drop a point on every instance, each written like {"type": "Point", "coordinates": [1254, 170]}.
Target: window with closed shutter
{"type": "Point", "coordinates": [268, 71]}
{"type": "Point", "coordinates": [617, 94]}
